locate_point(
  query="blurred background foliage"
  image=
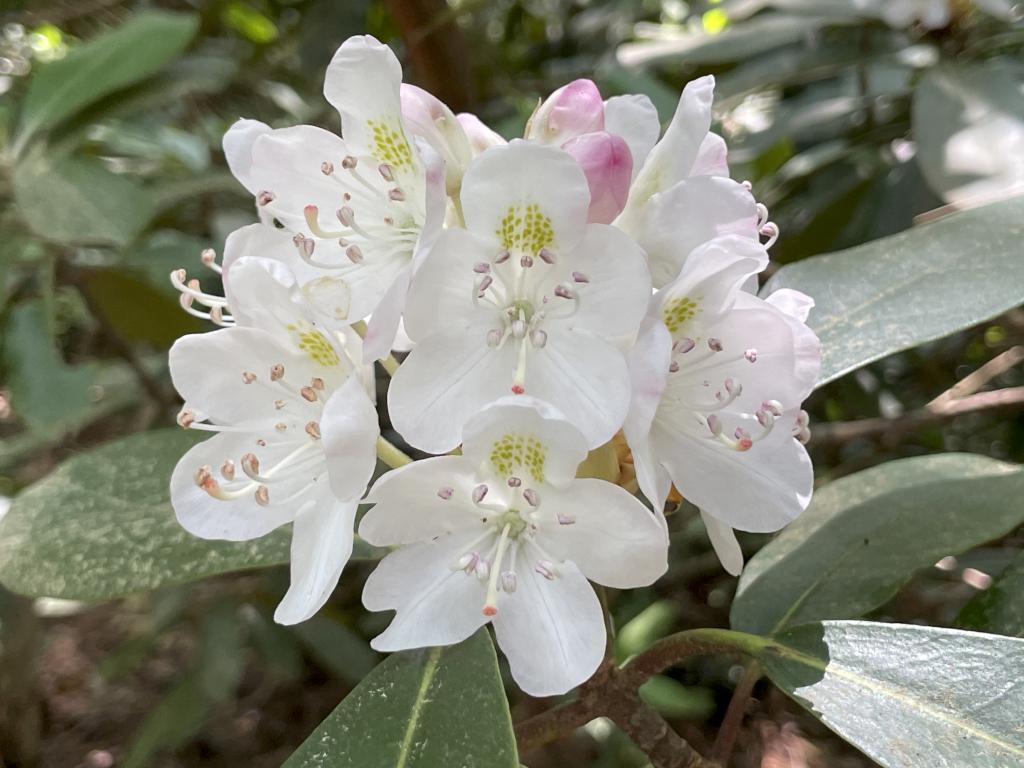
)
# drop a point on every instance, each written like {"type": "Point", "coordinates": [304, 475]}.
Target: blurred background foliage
{"type": "Point", "coordinates": [111, 175]}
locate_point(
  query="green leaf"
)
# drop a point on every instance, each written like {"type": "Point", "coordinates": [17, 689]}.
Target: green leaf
{"type": "Point", "coordinates": [928, 282]}
{"type": "Point", "coordinates": [1000, 608]}
{"type": "Point", "coordinates": [77, 201]}
{"type": "Point", "coordinates": [907, 696]}
{"type": "Point", "coordinates": [108, 62]}
{"type": "Point", "coordinates": [101, 526]}
{"type": "Point", "coordinates": [864, 536]}
{"type": "Point", "coordinates": [49, 395]}
{"type": "Point", "coordinates": [336, 647]}
{"type": "Point", "coordinates": [428, 708]}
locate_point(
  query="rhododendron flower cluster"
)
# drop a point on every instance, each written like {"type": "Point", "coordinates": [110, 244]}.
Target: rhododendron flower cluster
{"type": "Point", "coordinates": [590, 281]}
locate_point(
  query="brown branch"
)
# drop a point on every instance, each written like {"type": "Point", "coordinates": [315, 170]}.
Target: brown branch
{"type": "Point", "coordinates": [614, 693]}
{"type": "Point", "coordinates": [963, 397]}
{"type": "Point", "coordinates": [734, 715]}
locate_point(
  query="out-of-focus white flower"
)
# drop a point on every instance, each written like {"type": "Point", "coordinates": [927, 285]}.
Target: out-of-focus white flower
{"type": "Point", "coordinates": [359, 208]}
{"type": "Point", "coordinates": [528, 298]}
{"type": "Point", "coordinates": [930, 14]}
{"type": "Point", "coordinates": [297, 432]}
{"type": "Point", "coordinates": [718, 379]}
{"type": "Point", "coordinates": [505, 534]}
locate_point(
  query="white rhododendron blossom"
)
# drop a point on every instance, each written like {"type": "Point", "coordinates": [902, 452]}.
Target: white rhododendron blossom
{"type": "Point", "coordinates": [358, 208]}
{"type": "Point", "coordinates": [523, 274]}
{"type": "Point", "coordinates": [528, 298]}
{"type": "Point", "coordinates": [297, 433]}
{"type": "Point", "coordinates": [505, 534]}
{"type": "Point", "coordinates": [718, 379]}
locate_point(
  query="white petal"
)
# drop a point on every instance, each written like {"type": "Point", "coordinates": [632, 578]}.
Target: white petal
{"type": "Point", "coordinates": [648, 367]}
{"type": "Point", "coordinates": [503, 181]}
{"type": "Point", "coordinates": [689, 214]}
{"type": "Point", "coordinates": [712, 157]}
{"type": "Point", "coordinates": [325, 291]}
{"type": "Point", "coordinates": [584, 377]}
{"type": "Point", "coordinates": [446, 379]}
{"type": "Point", "coordinates": [618, 293]}
{"type": "Point", "coordinates": [480, 136]}
{"type": "Point", "coordinates": [382, 327]}
{"type": "Point", "coordinates": [723, 539]}
{"type": "Point", "coordinates": [634, 118]}
{"type": "Point", "coordinates": [711, 278]}
{"type": "Point", "coordinates": [612, 537]}
{"type": "Point", "coordinates": [428, 117]}
{"type": "Point", "coordinates": [237, 145]}
{"type": "Point", "coordinates": [522, 416]}
{"type": "Point", "coordinates": [321, 545]}
{"type": "Point", "coordinates": [434, 604]}
{"type": "Point", "coordinates": [362, 83]}
{"type": "Point", "coordinates": [760, 490]}
{"type": "Point", "coordinates": [673, 158]}
{"type": "Point", "coordinates": [551, 631]}
{"type": "Point", "coordinates": [207, 370]}
{"type": "Point", "coordinates": [238, 520]}
{"type": "Point", "coordinates": [349, 431]}
{"type": "Point", "coordinates": [409, 508]}
{"type": "Point", "coordinates": [441, 296]}
{"type": "Point", "coordinates": [794, 303]}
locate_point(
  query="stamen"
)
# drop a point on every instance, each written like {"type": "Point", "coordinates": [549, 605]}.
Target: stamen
{"type": "Point", "coordinates": [481, 267]}
{"type": "Point", "coordinates": [547, 256]}
{"type": "Point", "coordinates": [750, 355]}
{"type": "Point", "coordinates": [715, 345]}
{"type": "Point", "coordinates": [276, 372]}
{"type": "Point", "coordinates": [248, 377]}
{"type": "Point", "coordinates": [309, 394]}
{"type": "Point", "coordinates": [313, 430]}
{"type": "Point", "coordinates": [265, 197]}
{"type": "Point", "coordinates": [564, 519]}
{"type": "Point", "coordinates": [564, 291]}
{"type": "Point", "coordinates": [326, 168]}
{"type": "Point", "coordinates": [580, 277]}
{"type": "Point", "coordinates": [397, 194]}
{"type": "Point", "coordinates": [262, 495]}
{"type": "Point", "coordinates": [318, 383]}
{"type": "Point", "coordinates": [446, 492]}
{"type": "Point", "coordinates": [349, 162]}
{"type": "Point", "coordinates": [491, 603]}
{"type": "Point", "coordinates": [514, 482]}
{"type": "Point", "coordinates": [251, 465]}
{"type": "Point", "coordinates": [479, 493]}
{"type": "Point", "coordinates": [354, 253]}
{"type": "Point", "coordinates": [502, 257]}
{"type": "Point", "coordinates": [227, 469]}
{"type": "Point", "coordinates": [684, 345]}
{"type": "Point", "coordinates": [386, 172]}
{"type": "Point", "coordinates": [532, 497]}
{"type": "Point", "coordinates": [539, 338]}
{"type": "Point", "coordinates": [526, 261]}
{"type": "Point", "coordinates": [186, 418]}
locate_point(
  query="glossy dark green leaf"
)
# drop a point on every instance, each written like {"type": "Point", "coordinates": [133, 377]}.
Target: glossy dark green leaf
{"type": "Point", "coordinates": [428, 708]}
{"type": "Point", "coordinates": [336, 647]}
{"type": "Point", "coordinates": [101, 526]}
{"type": "Point", "coordinates": [907, 696]}
{"type": "Point", "coordinates": [864, 536]}
{"type": "Point", "coordinates": [1000, 608]}
{"type": "Point", "coordinates": [46, 393]}
{"type": "Point", "coordinates": [106, 63]}
{"type": "Point", "coordinates": [77, 201]}
{"type": "Point", "coordinates": [898, 292]}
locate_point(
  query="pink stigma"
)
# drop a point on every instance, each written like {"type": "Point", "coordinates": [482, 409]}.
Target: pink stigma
{"type": "Point", "coordinates": [490, 610]}
{"type": "Point", "coordinates": [518, 389]}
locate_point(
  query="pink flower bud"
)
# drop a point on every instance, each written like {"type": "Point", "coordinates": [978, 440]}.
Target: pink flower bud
{"type": "Point", "coordinates": [571, 111]}
{"type": "Point", "coordinates": [608, 165]}
{"type": "Point", "coordinates": [480, 136]}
